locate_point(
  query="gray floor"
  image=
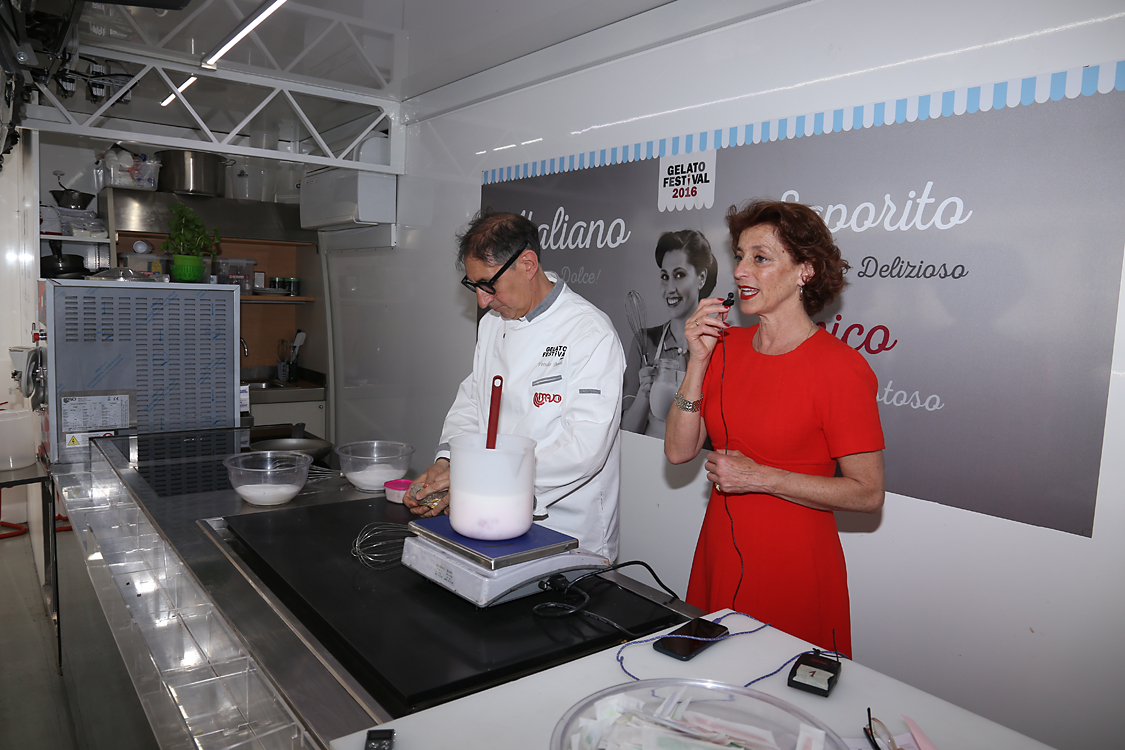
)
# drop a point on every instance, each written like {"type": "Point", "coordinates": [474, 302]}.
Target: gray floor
{"type": "Point", "coordinates": [33, 707]}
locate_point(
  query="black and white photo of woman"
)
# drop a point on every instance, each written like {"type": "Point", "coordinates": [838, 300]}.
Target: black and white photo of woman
{"type": "Point", "coordinates": [657, 358]}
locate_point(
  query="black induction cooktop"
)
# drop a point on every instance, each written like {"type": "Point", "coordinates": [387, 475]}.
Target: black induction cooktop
{"type": "Point", "coordinates": [409, 642]}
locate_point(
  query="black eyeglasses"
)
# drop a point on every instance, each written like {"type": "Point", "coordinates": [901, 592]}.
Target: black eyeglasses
{"type": "Point", "coordinates": [488, 287]}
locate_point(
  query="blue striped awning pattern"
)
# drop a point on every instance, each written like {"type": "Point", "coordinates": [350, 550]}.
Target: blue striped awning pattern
{"type": "Point", "coordinates": [1069, 84]}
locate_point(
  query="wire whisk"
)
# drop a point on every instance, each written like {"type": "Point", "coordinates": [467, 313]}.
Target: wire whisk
{"type": "Point", "coordinates": [379, 544]}
{"type": "Point", "coordinates": [638, 320]}
{"type": "Point", "coordinates": [319, 474]}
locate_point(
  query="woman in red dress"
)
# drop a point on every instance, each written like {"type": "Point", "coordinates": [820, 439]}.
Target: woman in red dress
{"type": "Point", "coordinates": [785, 405]}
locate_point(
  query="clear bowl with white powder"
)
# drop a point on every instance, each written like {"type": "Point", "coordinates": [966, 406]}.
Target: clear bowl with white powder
{"type": "Point", "coordinates": [368, 464]}
{"type": "Point", "coordinates": [268, 477]}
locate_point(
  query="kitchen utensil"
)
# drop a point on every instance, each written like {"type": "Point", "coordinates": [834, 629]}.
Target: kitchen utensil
{"type": "Point", "coordinates": [314, 447]}
{"type": "Point", "coordinates": [638, 320]}
{"type": "Point", "coordinates": [379, 544]}
{"type": "Point", "coordinates": [69, 198]}
{"type": "Point", "coordinates": [195, 172]}
{"type": "Point", "coordinates": [491, 491]}
{"type": "Point", "coordinates": [298, 340]}
{"type": "Point", "coordinates": [56, 264]}
{"type": "Point", "coordinates": [282, 350]}
{"type": "Point", "coordinates": [368, 464]}
{"type": "Point", "coordinates": [268, 477]}
{"type": "Point", "coordinates": [320, 474]}
{"type": "Point", "coordinates": [494, 411]}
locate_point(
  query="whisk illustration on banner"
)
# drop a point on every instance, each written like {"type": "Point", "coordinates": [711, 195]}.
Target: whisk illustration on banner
{"type": "Point", "coordinates": [638, 320]}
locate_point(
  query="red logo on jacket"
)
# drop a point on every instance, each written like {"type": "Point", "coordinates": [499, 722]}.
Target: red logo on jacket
{"type": "Point", "coordinates": [547, 398]}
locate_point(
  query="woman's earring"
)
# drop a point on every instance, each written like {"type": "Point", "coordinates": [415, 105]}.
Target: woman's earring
{"type": "Point", "coordinates": [801, 291]}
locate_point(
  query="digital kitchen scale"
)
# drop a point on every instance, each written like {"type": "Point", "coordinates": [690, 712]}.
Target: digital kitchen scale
{"type": "Point", "coordinates": [490, 572]}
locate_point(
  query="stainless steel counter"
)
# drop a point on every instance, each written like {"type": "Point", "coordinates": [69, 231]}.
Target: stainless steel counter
{"type": "Point", "coordinates": [215, 656]}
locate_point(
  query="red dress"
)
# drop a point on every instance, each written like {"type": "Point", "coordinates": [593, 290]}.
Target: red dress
{"type": "Point", "coordinates": [798, 411]}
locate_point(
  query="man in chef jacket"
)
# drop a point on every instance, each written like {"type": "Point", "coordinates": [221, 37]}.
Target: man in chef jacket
{"type": "Point", "coordinates": [562, 365]}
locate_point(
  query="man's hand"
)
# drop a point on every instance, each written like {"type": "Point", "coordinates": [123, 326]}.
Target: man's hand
{"type": "Point", "coordinates": [430, 483]}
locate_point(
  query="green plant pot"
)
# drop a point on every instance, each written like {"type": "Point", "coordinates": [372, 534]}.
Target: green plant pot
{"type": "Point", "coordinates": [187, 268]}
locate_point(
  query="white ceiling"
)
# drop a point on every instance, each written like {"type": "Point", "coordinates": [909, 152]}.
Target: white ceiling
{"type": "Point", "coordinates": [396, 48]}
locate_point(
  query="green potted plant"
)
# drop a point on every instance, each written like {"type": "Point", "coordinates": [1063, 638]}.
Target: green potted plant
{"type": "Point", "coordinates": [188, 241]}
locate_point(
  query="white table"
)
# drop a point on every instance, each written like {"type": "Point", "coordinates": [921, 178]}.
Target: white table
{"type": "Point", "coordinates": [523, 713]}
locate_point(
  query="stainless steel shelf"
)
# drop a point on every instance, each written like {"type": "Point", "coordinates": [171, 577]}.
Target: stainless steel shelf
{"type": "Point", "coordinates": [68, 238]}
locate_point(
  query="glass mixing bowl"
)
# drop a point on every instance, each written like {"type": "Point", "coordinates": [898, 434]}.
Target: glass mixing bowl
{"type": "Point", "coordinates": [368, 464]}
{"type": "Point", "coordinates": [268, 477]}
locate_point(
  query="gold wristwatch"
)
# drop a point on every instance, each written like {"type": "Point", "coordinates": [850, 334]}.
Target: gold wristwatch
{"type": "Point", "coordinates": [689, 406]}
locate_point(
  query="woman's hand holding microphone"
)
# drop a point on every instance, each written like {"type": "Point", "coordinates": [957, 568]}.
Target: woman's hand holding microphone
{"type": "Point", "coordinates": [705, 327]}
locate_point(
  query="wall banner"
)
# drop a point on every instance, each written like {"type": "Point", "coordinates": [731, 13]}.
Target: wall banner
{"type": "Point", "coordinates": [986, 255]}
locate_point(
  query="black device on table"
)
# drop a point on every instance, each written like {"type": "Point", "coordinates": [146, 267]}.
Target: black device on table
{"type": "Point", "coordinates": [380, 739]}
{"type": "Point", "coordinates": [685, 648]}
{"type": "Point", "coordinates": [815, 673]}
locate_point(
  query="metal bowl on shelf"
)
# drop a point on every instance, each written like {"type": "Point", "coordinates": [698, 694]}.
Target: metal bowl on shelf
{"type": "Point", "coordinates": [67, 198]}
{"type": "Point", "coordinates": [314, 447]}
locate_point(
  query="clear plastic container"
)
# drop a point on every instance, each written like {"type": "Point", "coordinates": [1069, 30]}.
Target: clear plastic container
{"type": "Point", "coordinates": [146, 263]}
{"type": "Point", "coordinates": [371, 463]}
{"type": "Point", "coordinates": [236, 271]}
{"type": "Point", "coordinates": [677, 707]}
{"type": "Point", "coordinates": [135, 175]}
{"type": "Point", "coordinates": [491, 490]}
{"type": "Point", "coordinates": [17, 439]}
{"type": "Point", "coordinates": [268, 477]}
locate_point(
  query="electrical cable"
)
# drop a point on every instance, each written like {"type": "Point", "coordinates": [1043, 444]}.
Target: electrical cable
{"type": "Point", "coordinates": [621, 650]}
{"type": "Point", "coordinates": [726, 497]}
{"type": "Point", "coordinates": [565, 609]}
{"type": "Point", "coordinates": [717, 620]}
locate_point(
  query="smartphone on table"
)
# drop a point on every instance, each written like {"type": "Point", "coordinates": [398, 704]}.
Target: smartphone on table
{"type": "Point", "coordinates": [686, 648]}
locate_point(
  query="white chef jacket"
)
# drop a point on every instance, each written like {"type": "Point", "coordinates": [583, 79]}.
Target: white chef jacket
{"type": "Point", "coordinates": [562, 366]}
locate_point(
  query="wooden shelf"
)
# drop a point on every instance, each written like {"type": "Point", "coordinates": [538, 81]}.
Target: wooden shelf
{"type": "Point", "coordinates": [278, 300]}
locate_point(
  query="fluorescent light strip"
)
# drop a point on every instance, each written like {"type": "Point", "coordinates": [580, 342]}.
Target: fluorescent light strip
{"type": "Point", "coordinates": [172, 97]}
{"type": "Point", "coordinates": [502, 148]}
{"type": "Point", "coordinates": [251, 22]}
{"type": "Point", "coordinates": [527, 143]}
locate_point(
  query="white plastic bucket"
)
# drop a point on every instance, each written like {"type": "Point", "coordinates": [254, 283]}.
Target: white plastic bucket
{"type": "Point", "coordinates": [17, 439]}
{"type": "Point", "coordinates": [491, 492]}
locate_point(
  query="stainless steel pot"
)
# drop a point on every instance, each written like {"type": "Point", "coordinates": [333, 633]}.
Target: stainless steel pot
{"type": "Point", "coordinates": [195, 172]}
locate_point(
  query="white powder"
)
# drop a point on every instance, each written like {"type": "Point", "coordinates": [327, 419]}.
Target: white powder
{"type": "Point", "coordinates": [268, 494]}
{"type": "Point", "coordinates": [372, 478]}
{"type": "Point", "coordinates": [490, 517]}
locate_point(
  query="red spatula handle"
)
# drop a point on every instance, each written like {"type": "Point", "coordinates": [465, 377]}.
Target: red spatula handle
{"type": "Point", "coordinates": [494, 411]}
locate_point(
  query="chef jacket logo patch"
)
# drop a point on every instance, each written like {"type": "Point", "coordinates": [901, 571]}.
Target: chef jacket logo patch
{"type": "Point", "coordinates": [555, 351]}
{"type": "Point", "coordinates": [547, 398]}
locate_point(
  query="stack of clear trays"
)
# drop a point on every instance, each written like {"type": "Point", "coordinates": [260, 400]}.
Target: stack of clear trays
{"type": "Point", "coordinates": [680, 714]}
{"type": "Point", "coordinates": [191, 673]}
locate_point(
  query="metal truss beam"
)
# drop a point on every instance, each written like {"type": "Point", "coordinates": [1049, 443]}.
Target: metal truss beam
{"type": "Point", "coordinates": [55, 117]}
